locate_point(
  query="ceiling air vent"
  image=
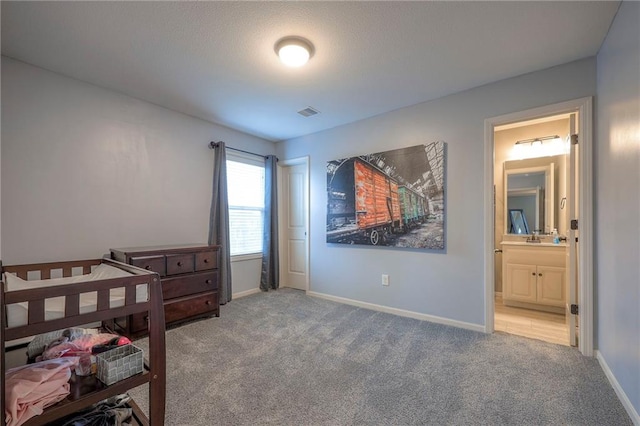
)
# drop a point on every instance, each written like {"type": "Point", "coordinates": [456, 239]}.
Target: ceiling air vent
{"type": "Point", "coordinates": [308, 112]}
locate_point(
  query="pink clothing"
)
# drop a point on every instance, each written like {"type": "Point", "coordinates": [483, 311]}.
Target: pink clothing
{"type": "Point", "coordinates": [33, 387]}
{"type": "Point", "coordinates": [78, 346]}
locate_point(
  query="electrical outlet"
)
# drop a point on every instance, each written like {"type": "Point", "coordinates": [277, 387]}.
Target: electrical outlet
{"type": "Point", "coordinates": [385, 279]}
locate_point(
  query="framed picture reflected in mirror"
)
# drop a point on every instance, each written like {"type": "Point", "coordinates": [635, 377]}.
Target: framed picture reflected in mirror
{"type": "Point", "coordinates": [518, 222]}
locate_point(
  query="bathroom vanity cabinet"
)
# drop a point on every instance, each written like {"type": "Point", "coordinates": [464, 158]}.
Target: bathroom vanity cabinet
{"type": "Point", "coordinates": [535, 275]}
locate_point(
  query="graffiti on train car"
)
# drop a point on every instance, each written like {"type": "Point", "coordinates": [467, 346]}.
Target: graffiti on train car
{"type": "Point", "coordinates": [393, 198]}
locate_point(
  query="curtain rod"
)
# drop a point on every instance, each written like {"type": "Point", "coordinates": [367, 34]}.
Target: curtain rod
{"type": "Point", "coordinates": [213, 144]}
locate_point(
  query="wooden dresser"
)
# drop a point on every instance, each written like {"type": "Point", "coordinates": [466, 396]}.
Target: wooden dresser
{"type": "Point", "coordinates": [189, 275]}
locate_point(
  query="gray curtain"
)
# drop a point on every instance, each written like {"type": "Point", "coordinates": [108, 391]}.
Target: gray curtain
{"type": "Point", "coordinates": [219, 219]}
{"type": "Point", "coordinates": [269, 277]}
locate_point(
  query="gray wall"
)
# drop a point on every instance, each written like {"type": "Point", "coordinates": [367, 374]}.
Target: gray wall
{"type": "Point", "coordinates": [448, 285]}
{"type": "Point", "coordinates": [85, 169]}
{"type": "Point", "coordinates": [617, 194]}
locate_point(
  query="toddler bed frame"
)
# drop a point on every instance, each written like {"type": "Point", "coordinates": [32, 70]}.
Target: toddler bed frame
{"type": "Point", "coordinates": [88, 390]}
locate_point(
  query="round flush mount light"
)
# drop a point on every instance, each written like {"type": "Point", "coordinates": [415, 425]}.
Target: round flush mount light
{"type": "Point", "coordinates": [294, 51]}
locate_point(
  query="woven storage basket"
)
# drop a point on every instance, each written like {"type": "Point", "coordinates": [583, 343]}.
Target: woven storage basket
{"type": "Point", "coordinates": [119, 363]}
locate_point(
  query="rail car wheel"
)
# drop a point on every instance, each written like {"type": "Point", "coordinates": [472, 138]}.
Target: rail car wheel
{"type": "Point", "coordinates": [374, 237]}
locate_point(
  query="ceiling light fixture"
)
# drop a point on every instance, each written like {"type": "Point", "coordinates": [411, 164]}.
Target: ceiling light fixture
{"type": "Point", "coordinates": [294, 51]}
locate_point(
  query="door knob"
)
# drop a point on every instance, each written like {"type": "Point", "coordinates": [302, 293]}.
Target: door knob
{"type": "Point", "coordinates": [497, 250]}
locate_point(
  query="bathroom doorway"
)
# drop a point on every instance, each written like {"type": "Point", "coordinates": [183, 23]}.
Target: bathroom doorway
{"type": "Point", "coordinates": [531, 207]}
{"type": "Point", "coordinates": [536, 280]}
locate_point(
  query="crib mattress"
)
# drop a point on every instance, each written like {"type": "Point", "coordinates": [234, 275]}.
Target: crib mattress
{"type": "Point", "coordinates": [17, 313]}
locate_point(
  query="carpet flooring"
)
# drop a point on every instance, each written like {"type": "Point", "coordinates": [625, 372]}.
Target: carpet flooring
{"type": "Point", "coordinates": [284, 358]}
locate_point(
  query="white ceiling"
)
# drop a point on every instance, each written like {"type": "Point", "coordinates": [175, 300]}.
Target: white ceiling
{"type": "Point", "coordinates": [215, 60]}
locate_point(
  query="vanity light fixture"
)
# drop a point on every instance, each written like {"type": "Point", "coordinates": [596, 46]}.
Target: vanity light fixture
{"type": "Point", "coordinates": [543, 146]}
{"type": "Point", "coordinates": [294, 51]}
{"type": "Point", "coordinates": [537, 140]}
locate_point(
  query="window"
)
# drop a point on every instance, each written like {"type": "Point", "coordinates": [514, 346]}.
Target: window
{"type": "Point", "coordinates": [245, 183]}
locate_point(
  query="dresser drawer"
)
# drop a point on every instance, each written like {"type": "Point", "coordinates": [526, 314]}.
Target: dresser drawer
{"type": "Point", "coordinates": [138, 323]}
{"type": "Point", "coordinates": [187, 307]}
{"type": "Point", "coordinates": [150, 263]}
{"type": "Point", "coordinates": [184, 286]}
{"type": "Point", "coordinates": [179, 264]}
{"type": "Point", "coordinates": [206, 260]}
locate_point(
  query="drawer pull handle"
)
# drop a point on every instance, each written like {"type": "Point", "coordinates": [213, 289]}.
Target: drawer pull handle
{"type": "Point", "coordinates": [179, 263]}
{"type": "Point", "coordinates": [208, 302]}
{"type": "Point", "coordinates": [148, 267]}
{"type": "Point", "coordinates": [206, 261]}
{"type": "Point", "coordinates": [208, 281]}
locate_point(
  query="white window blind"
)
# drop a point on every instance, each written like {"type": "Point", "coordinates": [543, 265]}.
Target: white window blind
{"type": "Point", "coordinates": [245, 185]}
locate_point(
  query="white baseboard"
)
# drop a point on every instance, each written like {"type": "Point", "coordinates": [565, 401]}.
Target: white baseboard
{"type": "Point", "coordinates": [622, 396]}
{"type": "Point", "coordinates": [400, 312]}
{"type": "Point", "coordinates": [244, 293]}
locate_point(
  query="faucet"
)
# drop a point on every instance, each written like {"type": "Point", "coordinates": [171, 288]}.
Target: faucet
{"type": "Point", "coordinates": [533, 238]}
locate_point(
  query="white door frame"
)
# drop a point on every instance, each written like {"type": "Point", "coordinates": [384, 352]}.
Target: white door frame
{"type": "Point", "coordinates": [281, 247]}
{"type": "Point", "coordinates": [584, 106]}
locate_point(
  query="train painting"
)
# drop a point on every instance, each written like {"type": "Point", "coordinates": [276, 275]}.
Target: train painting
{"type": "Point", "coordinates": [392, 198]}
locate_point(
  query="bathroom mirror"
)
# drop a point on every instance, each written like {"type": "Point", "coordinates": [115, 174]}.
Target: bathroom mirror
{"type": "Point", "coordinates": [526, 194]}
{"type": "Point", "coordinates": [529, 194]}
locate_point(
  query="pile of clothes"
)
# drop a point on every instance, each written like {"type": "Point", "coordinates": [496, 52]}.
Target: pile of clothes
{"type": "Point", "coordinates": [33, 387]}
{"type": "Point", "coordinates": [112, 411]}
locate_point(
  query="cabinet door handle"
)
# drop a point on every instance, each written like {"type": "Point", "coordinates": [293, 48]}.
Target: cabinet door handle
{"type": "Point", "coordinates": [533, 273]}
{"type": "Point", "coordinates": [540, 275]}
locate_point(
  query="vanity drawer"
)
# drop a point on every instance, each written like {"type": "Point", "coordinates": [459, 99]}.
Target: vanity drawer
{"type": "Point", "coordinates": [179, 264]}
{"type": "Point", "coordinates": [150, 263]}
{"type": "Point", "coordinates": [206, 260]}
{"type": "Point", "coordinates": [187, 307]}
{"type": "Point", "coordinates": [193, 284]}
{"type": "Point", "coordinates": [536, 255]}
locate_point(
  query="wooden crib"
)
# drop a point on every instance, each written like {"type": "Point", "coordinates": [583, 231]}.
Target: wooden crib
{"type": "Point", "coordinates": [87, 390]}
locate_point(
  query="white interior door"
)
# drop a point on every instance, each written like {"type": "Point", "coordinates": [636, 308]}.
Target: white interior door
{"type": "Point", "coordinates": [294, 218]}
{"type": "Point", "coordinates": [572, 263]}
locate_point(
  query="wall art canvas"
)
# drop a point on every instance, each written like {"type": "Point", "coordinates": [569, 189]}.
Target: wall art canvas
{"type": "Point", "coordinates": [394, 198]}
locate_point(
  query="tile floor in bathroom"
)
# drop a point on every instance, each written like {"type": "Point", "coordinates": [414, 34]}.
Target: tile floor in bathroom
{"type": "Point", "coordinates": [530, 323]}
